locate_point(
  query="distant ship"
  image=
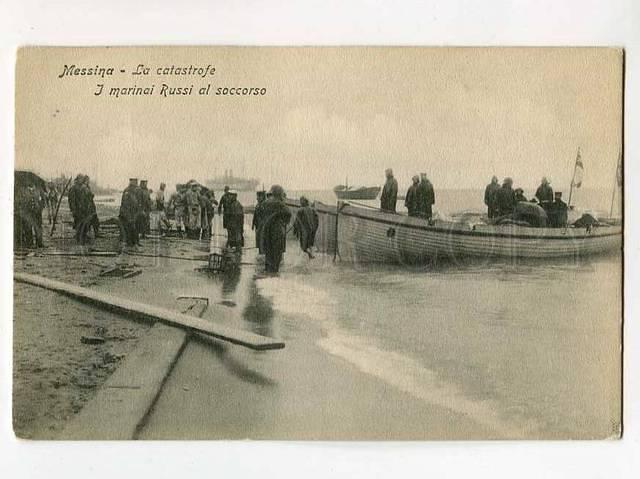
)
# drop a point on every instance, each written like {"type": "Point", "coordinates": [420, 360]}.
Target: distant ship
{"type": "Point", "coordinates": [346, 192]}
{"type": "Point", "coordinates": [235, 183]}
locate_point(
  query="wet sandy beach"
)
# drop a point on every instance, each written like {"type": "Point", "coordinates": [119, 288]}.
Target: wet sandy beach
{"type": "Point", "coordinates": [372, 352]}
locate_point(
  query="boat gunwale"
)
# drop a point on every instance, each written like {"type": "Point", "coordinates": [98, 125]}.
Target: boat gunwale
{"type": "Point", "coordinates": [402, 221]}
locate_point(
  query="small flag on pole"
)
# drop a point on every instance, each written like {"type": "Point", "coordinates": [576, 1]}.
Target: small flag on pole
{"type": "Point", "coordinates": [578, 171]}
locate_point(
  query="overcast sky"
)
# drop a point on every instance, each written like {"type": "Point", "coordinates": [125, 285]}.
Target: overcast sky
{"type": "Point", "coordinates": [460, 115]}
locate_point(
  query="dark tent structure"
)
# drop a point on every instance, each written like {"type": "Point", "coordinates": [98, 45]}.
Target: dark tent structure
{"type": "Point", "coordinates": [25, 178]}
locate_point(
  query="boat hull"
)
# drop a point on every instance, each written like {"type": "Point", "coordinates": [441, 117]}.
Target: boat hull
{"type": "Point", "coordinates": [367, 235]}
{"type": "Point", "coordinates": [370, 193]}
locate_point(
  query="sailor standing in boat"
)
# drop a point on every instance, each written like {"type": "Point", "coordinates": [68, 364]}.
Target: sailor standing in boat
{"type": "Point", "coordinates": [505, 198]}
{"type": "Point", "coordinates": [426, 197]}
{"type": "Point", "coordinates": [389, 196]}
{"type": "Point", "coordinates": [490, 197]}
{"type": "Point", "coordinates": [411, 198]}
{"type": "Point", "coordinates": [557, 212]}
{"type": "Point", "coordinates": [274, 230]}
{"type": "Point", "coordinates": [544, 194]}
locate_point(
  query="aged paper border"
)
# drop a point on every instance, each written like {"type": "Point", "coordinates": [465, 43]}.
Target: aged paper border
{"type": "Point", "coordinates": [330, 22]}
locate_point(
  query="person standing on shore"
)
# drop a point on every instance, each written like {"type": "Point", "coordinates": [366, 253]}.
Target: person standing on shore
{"type": "Point", "coordinates": [192, 197]}
{"type": "Point", "coordinates": [411, 198]}
{"type": "Point", "coordinates": [73, 196]}
{"type": "Point", "coordinates": [92, 212]}
{"type": "Point", "coordinates": [52, 200]}
{"type": "Point", "coordinates": [163, 222]}
{"type": "Point", "coordinates": [389, 196]}
{"type": "Point", "coordinates": [258, 219]}
{"type": "Point", "coordinates": [306, 226]}
{"type": "Point", "coordinates": [274, 232]}
{"type": "Point", "coordinates": [222, 207]}
{"type": "Point", "coordinates": [129, 211]}
{"type": "Point", "coordinates": [490, 197]}
{"type": "Point", "coordinates": [235, 221]}
{"type": "Point", "coordinates": [426, 197]}
{"type": "Point", "coordinates": [144, 199]}
{"type": "Point", "coordinates": [177, 203]}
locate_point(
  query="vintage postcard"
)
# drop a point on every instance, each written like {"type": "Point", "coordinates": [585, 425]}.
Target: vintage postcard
{"type": "Point", "coordinates": [344, 243]}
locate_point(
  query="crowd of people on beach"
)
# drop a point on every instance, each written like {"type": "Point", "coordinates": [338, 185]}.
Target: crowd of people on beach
{"type": "Point", "coordinates": [192, 208]}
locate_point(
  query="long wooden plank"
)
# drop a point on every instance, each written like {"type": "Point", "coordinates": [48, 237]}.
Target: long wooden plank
{"type": "Point", "coordinates": [152, 313]}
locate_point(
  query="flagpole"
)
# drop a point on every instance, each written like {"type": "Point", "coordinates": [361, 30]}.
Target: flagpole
{"type": "Point", "coordinates": [573, 177]}
{"type": "Point", "coordinates": [615, 184]}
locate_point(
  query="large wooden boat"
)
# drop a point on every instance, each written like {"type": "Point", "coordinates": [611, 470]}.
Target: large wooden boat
{"type": "Point", "coordinates": [369, 235]}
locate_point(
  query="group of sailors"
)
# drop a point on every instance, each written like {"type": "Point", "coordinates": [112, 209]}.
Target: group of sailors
{"type": "Point", "coordinates": [192, 207]}
{"type": "Point", "coordinates": [505, 202]}
{"type": "Point", "coordinates": [271, 221]}
{"type": "Point", "coordinates": [418, 201]}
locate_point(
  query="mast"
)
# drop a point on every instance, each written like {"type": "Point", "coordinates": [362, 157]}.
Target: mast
{"type": "Point", "coordinates": [616, 182]}
{"type": "Point", "coordinates": [573, 177]}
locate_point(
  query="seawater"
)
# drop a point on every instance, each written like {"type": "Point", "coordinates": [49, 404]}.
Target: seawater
{"type": "Point", "coordinates": [526, 349]}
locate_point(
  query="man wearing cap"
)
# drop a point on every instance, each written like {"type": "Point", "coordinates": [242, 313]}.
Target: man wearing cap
{"type": "Point", "coordinates": [389, 196]}
{"type": "Point", "coordinates": [426, 197]}
{"type": "Point", "coordinates": [194, 212]}
{"type": "Point", "coordinates": [276, 218]}
{"type": "Point", "coordinates": [235, 221]}
{"type": "Point", "coordinates": [74, 201]}
{"type": "Point", "coordinates": [258, 218]}
{"type": "Point", "coordinates": [490, 197]}
{"type": "Point", "coordinates": [177, 204]}
{"type": "Point", "coordinates": [305, 226]}
{"type": "Point", "coordinates": [144, 198]}
{"type": "Point", "coordinates": [222, 207]}
{"type": "Point", "coordinates": [411, 198]}
{"type": "Point", "coordinates": [163, 222]}
{"type": "Point", "coordinates": [505, 198]}
{"type": "Point", "coordinates": [544, 194]}
{"type": "Point", "coordinates": [558, 212]}
{"type": "Point", "coordinates": [129, 210]}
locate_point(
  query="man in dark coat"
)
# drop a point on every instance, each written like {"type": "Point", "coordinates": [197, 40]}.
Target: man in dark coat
{"type": "Point", "coordinates": [235, 221]}
{"type": "Point", "coordinates": [74, 201]}
{"type": "Point", "coordinates": [505, 198]}
{"type": "Point", "coordinates": [411, 199]}
{"type": "Point", "coordinates": [30, 206]}
{"type": "Point", "coordinates": [490, 197]}
{"type": "Point", "coordinates": [129, 212]}
{"type": "Point", "coordinates": [544, 194]}
{"type": "Point", "coordinates": [144, 217]}
{"type": "Point", "coordinates": [88, 197]}
{"type": "Point", "coordinates": [258, 217]}
{"type": "Point", "coordinates": [426, 197]}
{"type": "Point", "coordinates": [222, 207]}
{"type": "Point", "coordinates": [389, 196]}
{"type": "Point", "coordinates": [274, 232]}
{"type": "Point", "coordinates": [558, 212]}
{"type": "Point", "coordinates": [306, 226]}
{"type": "Point", "coordinates": [84, 209]}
